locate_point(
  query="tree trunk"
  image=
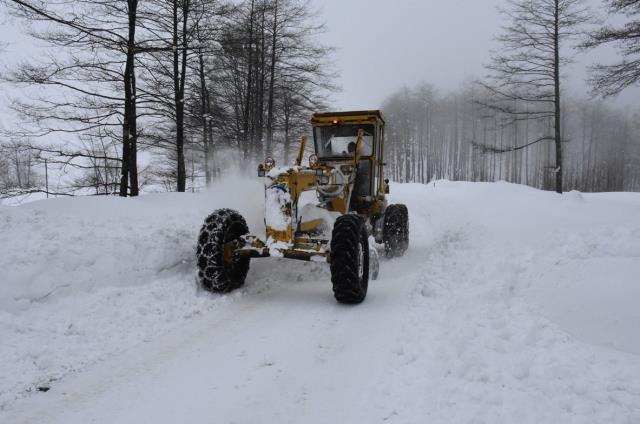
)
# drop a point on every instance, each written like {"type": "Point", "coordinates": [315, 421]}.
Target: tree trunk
{"type": "Point", "coordinates": [129, 120]}
{"type": "Point", "coordinates": [133, 146]}
{"type": "Point", "coordinates": [271, 82]}
{"type": "Point", "coordinates": [206, 116]}
{"type": "Point", "coordinates": [258, 127]}
{"type": "Point", "coordinates": [179, 71]}
{"type": "Point", "coordinates": [247, 104]}
{"type": "Point", "coordinates": [558, 134]}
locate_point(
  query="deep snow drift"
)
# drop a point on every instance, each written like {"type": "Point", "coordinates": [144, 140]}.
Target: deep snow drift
{"type": "Point", "coordinates": [511, 304]}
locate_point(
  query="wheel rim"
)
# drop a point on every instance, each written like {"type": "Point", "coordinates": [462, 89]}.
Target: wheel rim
{"type": "Point", "coordinates": [234, 233]}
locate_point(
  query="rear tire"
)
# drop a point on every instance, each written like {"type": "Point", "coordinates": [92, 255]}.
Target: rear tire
{"type": "Point", "coordinates": [396, 230]}
{"type": "Point", "coordinates": [215, 272]}
{"type": "Point", "coordinates": [350, 259]}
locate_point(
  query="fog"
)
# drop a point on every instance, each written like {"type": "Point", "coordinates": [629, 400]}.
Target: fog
{"type": "Point", "coordinates": [382, 45]}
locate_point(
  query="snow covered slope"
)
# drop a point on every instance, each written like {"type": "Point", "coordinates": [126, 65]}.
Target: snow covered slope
{"type": "Point", "coordinates": [511, 305]}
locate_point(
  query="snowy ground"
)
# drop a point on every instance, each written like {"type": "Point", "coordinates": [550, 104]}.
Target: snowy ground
{"type": "Point", "coordinates": [511, 305]}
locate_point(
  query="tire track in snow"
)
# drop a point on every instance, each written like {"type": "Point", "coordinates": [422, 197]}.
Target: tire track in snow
{"type": "Point", "coordinates": [282, 352]}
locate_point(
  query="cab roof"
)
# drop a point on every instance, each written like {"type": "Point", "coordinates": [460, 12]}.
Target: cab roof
{"type": "Point", "coordinates": [358, 115]}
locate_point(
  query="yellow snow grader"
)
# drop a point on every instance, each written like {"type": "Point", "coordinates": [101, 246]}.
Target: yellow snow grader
{"type": "Point", "coordinates": [325, 211]}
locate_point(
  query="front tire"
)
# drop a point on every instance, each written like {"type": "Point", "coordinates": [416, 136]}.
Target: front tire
{"type": "Point", "coordinates": [350, 259]}
{"type": "Point", "coordinates": [219, 272]}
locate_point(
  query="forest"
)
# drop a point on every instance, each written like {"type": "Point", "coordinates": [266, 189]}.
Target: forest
{"type": "Point", "coordinates": [454, 137]}
{"type": "Point", "coordinates": [169, 95]}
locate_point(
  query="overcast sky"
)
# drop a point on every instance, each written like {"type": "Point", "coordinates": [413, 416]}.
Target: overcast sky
{"type": "Point", "coordinates": [383, 45]}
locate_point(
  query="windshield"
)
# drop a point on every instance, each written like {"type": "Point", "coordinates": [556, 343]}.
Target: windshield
{"type": "Point", "coordinates": [340, 140]}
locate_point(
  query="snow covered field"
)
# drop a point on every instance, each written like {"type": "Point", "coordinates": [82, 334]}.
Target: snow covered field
{"type": "Point", "coordinates": [511, 305]}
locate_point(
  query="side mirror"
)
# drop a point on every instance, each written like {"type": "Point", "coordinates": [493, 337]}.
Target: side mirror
{"type": "Point", "coordinates": [386, 186]}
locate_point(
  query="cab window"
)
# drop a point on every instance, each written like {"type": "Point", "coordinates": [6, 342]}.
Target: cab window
{"type": "Point", "coordinates": [340, 140]}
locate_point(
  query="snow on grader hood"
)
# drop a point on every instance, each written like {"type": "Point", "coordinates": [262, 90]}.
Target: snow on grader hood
{"type": "Point", "coordinates": [325, 211]}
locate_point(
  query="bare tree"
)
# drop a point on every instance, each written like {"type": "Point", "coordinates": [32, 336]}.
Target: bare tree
{"type": "Point", "coordinates": [270, 58]}
{"type": "Point", "coordinates": [610, 80]}
{"type": "Point", "coordinates": [97, 75]}
{"type": "Point", "coordinates": [202, 109]}
{"type": "Point", "coordinates": [174, 73]}
{"type": "Point", "coordinates": [177, 78]}
{"type": "Point", "coordinates": [527, 70]}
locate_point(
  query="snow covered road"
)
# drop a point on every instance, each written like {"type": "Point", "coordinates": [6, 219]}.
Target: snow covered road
{"type": "Point", "coordinates": [511, 305]}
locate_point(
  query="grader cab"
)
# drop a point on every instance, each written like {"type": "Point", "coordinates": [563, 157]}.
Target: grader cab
{"type": "Point", "coordinates": [325, 211]}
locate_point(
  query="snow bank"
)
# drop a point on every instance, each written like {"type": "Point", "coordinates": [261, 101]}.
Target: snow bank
{"type": "Point", "coordinates": [81, 278]}
{"type": "Point", "coordinates": [579, 252]}
{"type": "Point", "coordinates": [57, 247]}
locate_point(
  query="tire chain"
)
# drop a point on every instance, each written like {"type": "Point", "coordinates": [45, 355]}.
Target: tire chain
{"type": "Point", "coordinates": [210, 250]}
{"type": "Point", "coordinates": [347, 234]}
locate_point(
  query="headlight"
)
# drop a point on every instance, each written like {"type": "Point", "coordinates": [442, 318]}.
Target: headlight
{"type": "Point", "coordinates": [270, 163]}
{"type": "Point", "coordinates": [313, 160]}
